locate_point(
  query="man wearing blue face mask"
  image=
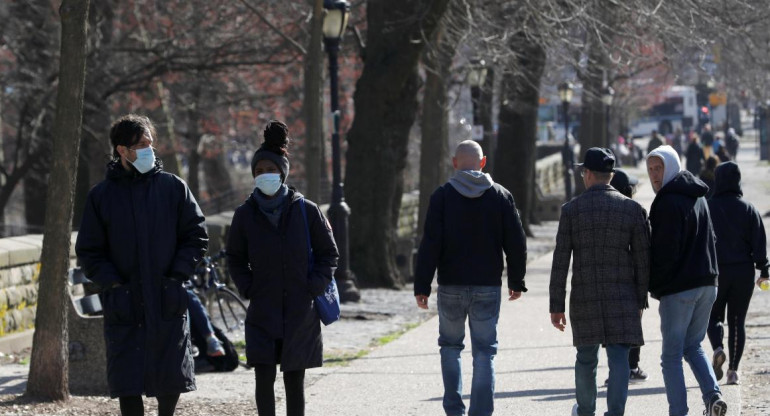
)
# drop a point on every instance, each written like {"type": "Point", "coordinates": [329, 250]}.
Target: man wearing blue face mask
{"type": "Point", "coordinates": [141, 236]}
{"type": "Point", "coordinates": [471, 227]}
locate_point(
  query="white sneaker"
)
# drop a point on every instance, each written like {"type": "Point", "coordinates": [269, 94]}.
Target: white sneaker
{"type": "Point", "coordinates": [733, 377]}
{"type": "Point", "coordinates": [574, 410]}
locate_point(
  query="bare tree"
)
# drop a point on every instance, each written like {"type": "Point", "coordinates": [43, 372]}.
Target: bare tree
{"type": "Point", "coordinates": [385, 106]}
{"type": "Point", "coordinates": [48, 364]}
{"type": "Point", "coordinates": [437, 60]}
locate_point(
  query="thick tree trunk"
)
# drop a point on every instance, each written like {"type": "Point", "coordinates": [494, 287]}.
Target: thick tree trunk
{"type": "Point", "coordinates": [313, 106]}
{"type": "Point", "coordinates": [593, 127]}
{"type": "Point", "coordinates": [435, 167]}
{"type": "Point", "coordinates": [48, 365]}
{"type": "Point", "coordinates": [485, 111]}
{"type": "Point", "coordinates": [516, 148]}
{"type": "Point", "coordinates": [385, 109]}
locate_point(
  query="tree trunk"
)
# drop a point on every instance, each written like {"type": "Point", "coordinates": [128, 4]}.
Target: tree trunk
{"type": "Point", "coordinates": [593, 128]}
{"type": "Point", "coordinates": [516, 149]}
{"type": "Point", "coordinates": [485, 111]}
{"type": "Point", "coordinates": [434, 147]}
{"type": "Point", "coordinates": [313, 106]}
{"type": "Point", "coordinates": [385, 109]}
{"type": "Point", "coordinates": [48, 364]}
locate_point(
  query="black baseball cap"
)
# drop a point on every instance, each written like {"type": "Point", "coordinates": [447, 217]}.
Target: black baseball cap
{"type": "Point", "coordinates": [598, 159]}
{"type": "Point", "coordinates": [624, 182]}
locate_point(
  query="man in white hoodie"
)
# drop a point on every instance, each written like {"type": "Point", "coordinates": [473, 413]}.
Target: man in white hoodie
{"type": "Point", "coordinates": [683, 277]}
{"type": "Point", "coordinates": [471, 222]}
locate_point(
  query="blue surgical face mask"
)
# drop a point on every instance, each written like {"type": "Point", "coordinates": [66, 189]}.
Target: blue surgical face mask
{"type": "Point", "coordinates": [268, 183]}
{"type": "Point", "coordinates": [145, 160]}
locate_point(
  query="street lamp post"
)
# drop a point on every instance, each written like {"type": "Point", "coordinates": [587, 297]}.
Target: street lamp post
{"type": "Point", "coordinates": [567, 152]}
{"type": "Point", "coordinates": [334, 25]}
{"type": "Point", "coordinates": [607, 100]}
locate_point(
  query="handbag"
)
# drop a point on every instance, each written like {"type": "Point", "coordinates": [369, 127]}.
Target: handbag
{"type": "Point", "coordinates": [327, 305]}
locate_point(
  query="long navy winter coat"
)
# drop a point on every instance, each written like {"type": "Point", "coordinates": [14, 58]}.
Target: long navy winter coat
{"type": "Point", "coordinates": [146, 233]}
{"type": "Point", "coordinates": [270, 268]}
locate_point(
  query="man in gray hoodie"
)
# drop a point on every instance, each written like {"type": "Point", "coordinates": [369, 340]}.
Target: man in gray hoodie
{"type": "Point", "coordinates": [471, 224]}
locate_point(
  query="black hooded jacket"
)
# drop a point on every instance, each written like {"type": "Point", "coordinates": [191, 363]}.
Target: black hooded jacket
{"type": "Point", "coordinates": [683, 240]}
{"type": "Point", "coordinates": [738, 225]}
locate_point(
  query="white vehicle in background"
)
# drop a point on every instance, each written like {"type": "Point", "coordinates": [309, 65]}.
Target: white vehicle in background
{"type": "Point", "coordinates": [678, 109]}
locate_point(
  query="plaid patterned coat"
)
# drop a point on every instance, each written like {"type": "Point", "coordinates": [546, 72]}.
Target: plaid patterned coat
{"type": "Point", "coordinates": [608, 236]}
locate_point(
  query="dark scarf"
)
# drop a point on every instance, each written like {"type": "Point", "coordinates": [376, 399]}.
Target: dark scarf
{"type": "Point", "coordinates": [271, 207]}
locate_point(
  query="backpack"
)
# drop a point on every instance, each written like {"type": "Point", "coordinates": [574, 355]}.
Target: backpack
{"type": "Point", "coordinates": [227, 362]}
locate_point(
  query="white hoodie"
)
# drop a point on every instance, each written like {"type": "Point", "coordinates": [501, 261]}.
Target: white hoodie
{"type": "Point", "coordinates": [670, 161]}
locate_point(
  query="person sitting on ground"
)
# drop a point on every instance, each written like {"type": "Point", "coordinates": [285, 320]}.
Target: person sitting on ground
{"type": "Point", "coordinates": [200, 322]}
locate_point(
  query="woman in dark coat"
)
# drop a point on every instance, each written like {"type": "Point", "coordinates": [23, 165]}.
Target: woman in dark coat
{"type": "Point", "coordinates": [694, 155]}
{"type": "Point", "coordinates": [141, 236]}
{"type": "Point", "coordinates": [741, 248]}
{"type": "Point", "coordinates": [267, 255]}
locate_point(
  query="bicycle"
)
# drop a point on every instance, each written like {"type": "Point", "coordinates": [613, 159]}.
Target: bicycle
{"type": "Point", "coordinates": [226, 309]}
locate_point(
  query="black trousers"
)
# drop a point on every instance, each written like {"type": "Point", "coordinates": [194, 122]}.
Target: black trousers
{"type": "Point", "coordinates": [294, 383]}
{"type": "Point", "coordinates": [134, 406]}
{"type": "Point", "coordinates": [633, 357]}
{"type": "Point", "coordinates": [736, 285]}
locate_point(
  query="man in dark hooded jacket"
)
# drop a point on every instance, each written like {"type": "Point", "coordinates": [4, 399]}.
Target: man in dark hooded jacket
{"type": "Point", "coordinates": [471, 222]}
{"type": "Point", "coordinates": [683, 277]}
{"type": "Point", "coordinates": [741, 249]}
{"type": "Point", "coordinates": [141, 236]}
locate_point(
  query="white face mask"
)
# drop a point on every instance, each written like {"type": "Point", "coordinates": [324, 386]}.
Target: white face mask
{"type": "Point", "coordinates": [268, 183]}
{"type": "Point", "coordinates": [145, 160]}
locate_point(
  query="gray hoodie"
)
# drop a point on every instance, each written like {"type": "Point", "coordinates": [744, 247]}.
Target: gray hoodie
{"type": "Point", "coordinates": [471, 183]}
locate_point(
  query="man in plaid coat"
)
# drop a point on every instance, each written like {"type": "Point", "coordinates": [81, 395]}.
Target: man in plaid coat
{"type": "Point", "coordinates": [609, 237]}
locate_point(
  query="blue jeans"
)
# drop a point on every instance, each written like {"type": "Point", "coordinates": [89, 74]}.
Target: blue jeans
{"type": "Point", "coordinates": [586, 361]}
{"type": "Point", "coordinates": [684, 317]}
{"type": "Point", "coordinates": [198, 317]}
{"type": "Point", "coordinates": [481, 305]}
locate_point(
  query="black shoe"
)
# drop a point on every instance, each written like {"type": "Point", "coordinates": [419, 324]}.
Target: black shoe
{"type": "Point", "coordinates": [717, 362]}
{"type": "Point", "coordinates": [637, 376]}
{"type": "Point", "coordinates": [716, 406]}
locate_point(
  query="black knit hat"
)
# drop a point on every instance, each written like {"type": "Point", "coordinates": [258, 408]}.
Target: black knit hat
{"type": "Point", "coordinates": [274, 148]}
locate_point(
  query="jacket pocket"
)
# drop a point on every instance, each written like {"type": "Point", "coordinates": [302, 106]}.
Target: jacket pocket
{"type": "Point", "coordinates": [173, 299]}
{"type": "Point", "coordinates": [118, 306]}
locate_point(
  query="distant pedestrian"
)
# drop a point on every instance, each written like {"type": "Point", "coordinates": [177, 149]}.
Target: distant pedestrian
{"type": "Point", "coordinates": [626, 185]}
{"type": "Point", "coordinates": [694, 155]}
{"type": "Point", "coordinates": [683, 277]}
{"type": "Point", "coordinates": [707, 141]}
{"type": "Point", "coordinates": [269, 260]}
{"type": "Point", "coordinates": [731, 143]}
{"type": "Point", "coordinates": [742, 248]}
{"type": "Point", "coordinates": [608, 237]}
{"type": "Point", "coordinates": [678, 142]}
{"type": "Point", "coordinates": [471, 224]}
{"type": "Point", "coordinates": [141, 236]}
{"type": "Point", "coordinates": [707, 174]}
{"type": "Point", "coordinates": [655, 141]}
